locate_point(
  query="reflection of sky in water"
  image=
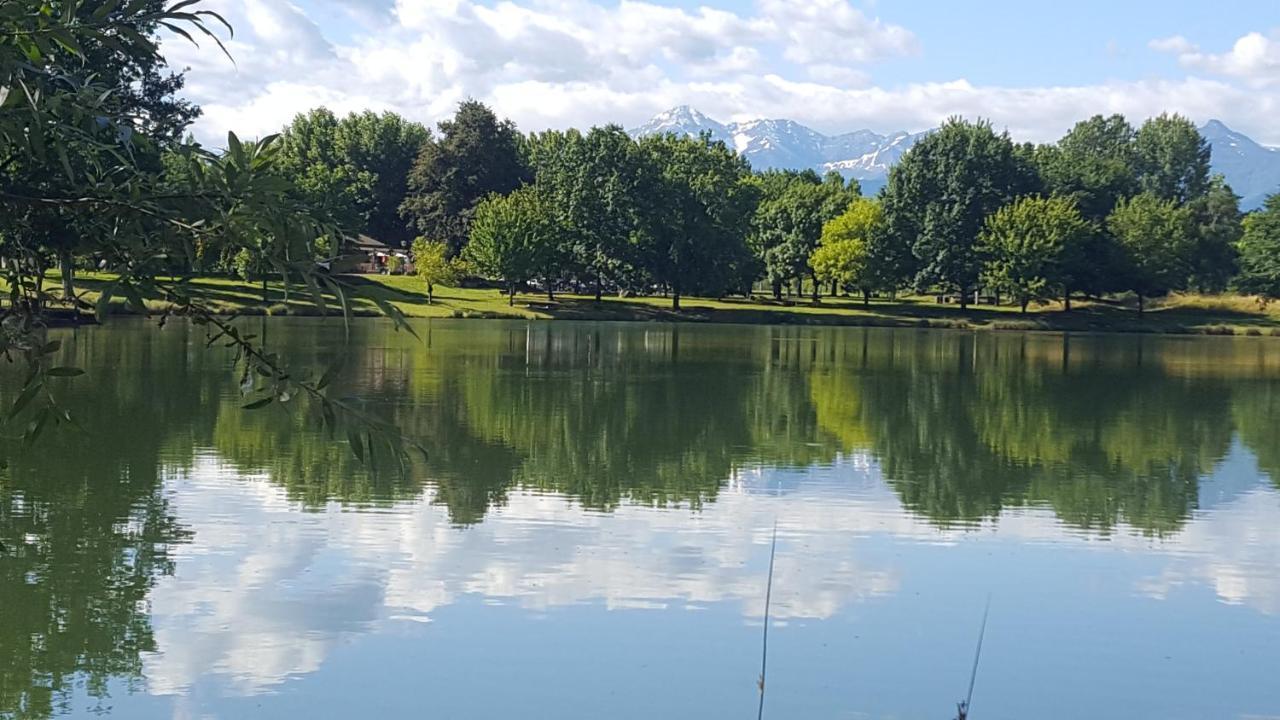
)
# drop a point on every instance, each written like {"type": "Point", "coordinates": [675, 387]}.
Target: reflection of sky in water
{"type": "Point", "coordinates": [547, 610]}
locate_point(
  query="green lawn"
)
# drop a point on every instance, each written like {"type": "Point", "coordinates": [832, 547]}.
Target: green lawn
{"type": "Point", "coordinates": [1226, 314]}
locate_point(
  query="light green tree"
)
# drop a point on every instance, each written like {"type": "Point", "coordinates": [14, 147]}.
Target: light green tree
{"type": "Point", "coordinates": [1155, 238]}
{"type": "Point", "coordinates": [846, 254]}
{"type": "Point", "coordinates": [1027, 247]}
{"type": "Point", "coordinates": [431, 262]}
{"type": "Point", "coordinates": [515, 238]}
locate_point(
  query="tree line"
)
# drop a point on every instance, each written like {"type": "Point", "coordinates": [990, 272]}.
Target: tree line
{"type": "Point", "coordinates": [1109, 208]}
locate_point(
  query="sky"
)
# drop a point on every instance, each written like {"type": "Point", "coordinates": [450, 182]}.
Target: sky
{"type": "Point", "coordinates": [1030, 66]}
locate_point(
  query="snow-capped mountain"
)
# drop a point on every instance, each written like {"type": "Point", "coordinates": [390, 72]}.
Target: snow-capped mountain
{"type": "Point", "coordinates": [1252, 170]}
{"type": "Point", "coordinates": [786, 144]}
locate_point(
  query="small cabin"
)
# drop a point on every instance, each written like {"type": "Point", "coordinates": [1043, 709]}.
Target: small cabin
{"type": "Point", "coordinates": [366, 255]}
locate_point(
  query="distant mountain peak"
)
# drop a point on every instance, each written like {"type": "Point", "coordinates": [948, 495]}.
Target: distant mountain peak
{"type": "Point", "coordinates": [786, 144]}
{"type": "Point", "coordinates": [1252, 170]}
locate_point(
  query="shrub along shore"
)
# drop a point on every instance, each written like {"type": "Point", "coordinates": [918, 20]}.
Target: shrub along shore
{"type": "Point", "coordinates": [1176, 314]}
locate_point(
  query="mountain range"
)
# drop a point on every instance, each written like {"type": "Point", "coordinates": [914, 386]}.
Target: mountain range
{"type": "Point", "coordinates": [1252, 169]}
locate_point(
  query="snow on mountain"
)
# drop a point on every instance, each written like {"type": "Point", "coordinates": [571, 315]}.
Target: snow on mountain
{"type": "Point", "coordinates": [1252, 170]}
{"type": "Point", "coordinates": [786, 144]}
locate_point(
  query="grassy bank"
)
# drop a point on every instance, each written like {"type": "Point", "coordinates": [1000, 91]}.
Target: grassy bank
{"type": "Point", "coordinates": [1197, 314]}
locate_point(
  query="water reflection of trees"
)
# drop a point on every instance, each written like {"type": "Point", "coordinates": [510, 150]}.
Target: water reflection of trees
{"type": "Point", "coordinates": [1100, 430]}
{"type": "Point", "coordinates": [961, 425]}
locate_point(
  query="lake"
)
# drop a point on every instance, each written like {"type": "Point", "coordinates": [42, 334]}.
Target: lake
{"type": "Point", "coordinates": [590, 536]}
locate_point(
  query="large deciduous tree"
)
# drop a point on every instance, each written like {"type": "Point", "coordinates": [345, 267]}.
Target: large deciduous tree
{"type": "Point", "coordinates": [1156, 238]}
{"type": "Point", "coordinates": [516, 238]}
{"type": "Point", "coordinates": [700, 212]}
{"type": "Point", "coordinates": [474, 155]}
{"type": "Point", "coordinates": [941, 193]}
{"type": "Point", "coordinates": [598, 183]}
{"type": "Point", "coordinates": [1260, 251]}
{"type": "Point", "coordinates": [1171, 159]}
{"type": "Point", "coordinates": [789, 219]}
{"type": "Point", "coordinates": [1028, 246]}
{"type": "Point", "coordinates": [357, 166]}
{"type": "Point", "coordinates": [850, 251]}
{"type": "Point", "coordinates": [1217, 219]}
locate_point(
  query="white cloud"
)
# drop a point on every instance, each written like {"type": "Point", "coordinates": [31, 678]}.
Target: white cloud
{"type": "Point", "coordinates": [1254, 58]}
{"type": "Point", "coordinates": [557, 63]}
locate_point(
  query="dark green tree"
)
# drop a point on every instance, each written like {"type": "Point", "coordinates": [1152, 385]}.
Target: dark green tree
{"type": "Point", "coordinates": [1217, 219]}
{"type": "Point", "coordinates": [1171, 159]}
{"type": "Point", "coordinates": [473, 156]}
{"type": "Point", "coordinates": [1260, 251]}
{"type": "Point", "coordinates": [941, 193]}
{"type": "Point", "coordinates": [698, 216]}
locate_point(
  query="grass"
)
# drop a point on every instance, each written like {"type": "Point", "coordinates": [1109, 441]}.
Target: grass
{"type": "Point", "coordinates": [1183, 314]}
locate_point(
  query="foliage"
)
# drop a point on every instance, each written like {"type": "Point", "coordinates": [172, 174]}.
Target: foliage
{"type": "Point", "coordinates": [1093, 164]}
{"type": "Point", "coordinates": [357, 166]}
{"type": "Point", "coordinates": [694, 242]}
{"type": "Point", "coordinates": [1028, 246]}
{"type": "Point", "coordinates": [1217, 219]}
{"type": "Point", "coordinates": [846, 255]}
{"type": "Point", "coordinates": [1260, 251]}
{"type": "Point", "coordinates": [474, 155]}
{"type": "Point", "coordinates": [431, 263]}
{"type": "Point", "coordinates": [601, 185]}
{"type": "Point", "coordinates": [1171, 159]}
{"type": "Point", "coordinates": [941, 193]}
{"type": "Point", "coordinates": [1156, 238]}
{"type": "Point", "coordinates": [789, 220]}
{"type": "Point", "coordinates": [114, 204]}
{"type": "Point", "coordinates": [515, 238]}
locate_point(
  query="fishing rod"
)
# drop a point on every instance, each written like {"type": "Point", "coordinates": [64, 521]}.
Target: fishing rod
{"type": "Point", "coordinates": [764, 643]}
{"type": "Point", "coordinates": [962, 708]}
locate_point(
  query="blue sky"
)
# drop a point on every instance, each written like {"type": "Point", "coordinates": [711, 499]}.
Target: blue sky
{"type": "Point", "coordinates": [838, 65]}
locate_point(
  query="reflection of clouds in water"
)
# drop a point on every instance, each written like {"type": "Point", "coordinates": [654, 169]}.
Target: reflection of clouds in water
{"type": "Point", "coordinates": [265, 591]}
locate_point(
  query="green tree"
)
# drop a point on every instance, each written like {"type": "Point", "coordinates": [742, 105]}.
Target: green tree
{"type": "Point", "coordinates": [939, 196]}
{"type": "Point", "coordinates": [474, 156]}
{"type": "Point", "coordinates": [514, 238]}
{"type": "Point", "coordinates": [1217, 219]}
{"type": "Point", "coordinates": [1156, 238]}
{"type": "Point", "coordinates": [788, 223]}
{"type": "Point", "coordinates": [1260, 251]}
{"type": "Point", "coordinates": [357, 165]}
{"type": "Point", "coordinates": [846, 254]}
{"type": "Point", "coordinates": [1093, 164]}
{"type": "Point", "coordinates": [1171, 159]}
{"type": "Point", "coordinates": [1027, 245]}
{"type": "Point", "coordinates": [697, 217]}
{"type": "Point", "coordinates": [597, 182]}
{"type": "Point", "coordinates": [432, 264]}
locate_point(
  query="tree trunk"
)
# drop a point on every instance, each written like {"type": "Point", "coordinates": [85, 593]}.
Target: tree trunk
{"type": "Point", "coordinates": [866, 298]}
{"type": "Point", "coordinates": [431, 294]}
{"type": "Point", "coordinates": [551, 293]}
{"type": "Point", "coordinates": [816, 295]}
{"type": "Point", "coordinates": [1025, 302]}
{"type": "Point", "coordinates": [835, 289]}
{"type": "Point", "coordinates": [511, 294]}
{"type": "Point", "coordinates": [1141, 308]}
{"type": "Point", "coordinates": [675, 298]}
{"type": "Point", "coordinates": [68, 275]}
{"type": "Point", "coordinates": [777, 289]}
{"type": "Point", "coordinates": [1066, 301]}
{"type": "Point", "coordinates": [265, 297]}
{"type": "Point", "coordinates": [599, 289]}
{"type": "Point", "coordinates": [964, 298]}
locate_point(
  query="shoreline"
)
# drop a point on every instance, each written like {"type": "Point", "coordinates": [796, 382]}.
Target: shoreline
{"type": "Point", "coordinates": [1224, 315]}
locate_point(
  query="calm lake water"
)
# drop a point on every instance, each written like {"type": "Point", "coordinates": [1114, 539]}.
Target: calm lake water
{"type": "Point", "coordinates": [590, 536]}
